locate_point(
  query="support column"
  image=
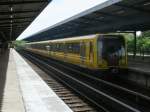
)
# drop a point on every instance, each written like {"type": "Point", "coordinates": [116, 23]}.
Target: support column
{"type": "Point", "coordinates": [135, 42]}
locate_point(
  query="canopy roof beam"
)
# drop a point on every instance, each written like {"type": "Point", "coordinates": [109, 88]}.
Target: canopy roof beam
{"type": "Point", "coordinates": [16, 18]}
{"type": "Point", "coordinates": [14, 22]}
{"type": "Point", "coordinates": [141, 10]}
{"type": "Point", "coordinates": [23, 2]}
{"type": "Point", "coordinates": [16, 12]}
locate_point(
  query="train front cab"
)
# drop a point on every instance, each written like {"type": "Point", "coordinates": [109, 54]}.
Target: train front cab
{"type": "Point", "coordinates": [111, 53]}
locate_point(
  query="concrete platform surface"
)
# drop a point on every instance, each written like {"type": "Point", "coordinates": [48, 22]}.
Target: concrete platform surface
{"type": "Point", "coordinates": [10, 95]}
{"type": "Point", "coordinates": [22, 90]}
{"type": "Point", "coordinates": [37, 95]}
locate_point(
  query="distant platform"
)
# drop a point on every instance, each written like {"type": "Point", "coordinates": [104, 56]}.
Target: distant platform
{"type": "Point", "coordinates": [139, 64]}
{"type": "Point", "coordinates": [22, 90]}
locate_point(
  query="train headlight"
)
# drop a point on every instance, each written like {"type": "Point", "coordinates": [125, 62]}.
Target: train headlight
{"type": "Point", "coordinates": [102, 63]}
{"type": "Point", "coordinates": [122, 62]}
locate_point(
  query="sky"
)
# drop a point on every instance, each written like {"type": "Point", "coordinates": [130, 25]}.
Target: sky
{"type": "Point", "coordinates": [57, 11]}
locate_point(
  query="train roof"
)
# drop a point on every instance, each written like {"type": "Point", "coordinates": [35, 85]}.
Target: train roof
{"type": "Point", "coordinates": [76, 38]}
{"type": "Point", "coordinates": [68, 39]}
{"type": "Point", "coordinates": [38, 42]}
{"type": "Point", "coordinates": [71, 38]}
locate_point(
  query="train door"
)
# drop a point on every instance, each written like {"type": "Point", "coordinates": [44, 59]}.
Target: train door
{"type": "Point", "coordinates": [65, 50]}
{"type": "Point", "coordinates": [82, 52]}
{"type": "Point", "coordinates": [48, 48]}
{"type": "Point", "coordinates": [91, 54]}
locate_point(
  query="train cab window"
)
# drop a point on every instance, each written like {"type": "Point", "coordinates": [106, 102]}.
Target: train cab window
{"type": "Point", "coordinates": [111, 48]}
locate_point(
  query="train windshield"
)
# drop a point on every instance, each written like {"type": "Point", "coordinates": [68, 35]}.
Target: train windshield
{"type": "Point", "coordinates": [111, 49]}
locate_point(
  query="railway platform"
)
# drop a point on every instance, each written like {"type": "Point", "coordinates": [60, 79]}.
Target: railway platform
{"type": "Point", "coordinates": [138, 64]}
{"type": "Point", "coordinates": [22, 90]}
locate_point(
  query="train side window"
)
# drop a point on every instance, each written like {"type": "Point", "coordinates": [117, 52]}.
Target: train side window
{"type": "Point", "coordinates": [42, 46]}
{"type": "Point", "coordinates": [55, 47]}
{"type": "Point", "coordinates": [38, 46]}
{"type": "Point", "coordinates": [45, 46]}
{"type": "Point", "coordinates": [69, 47]}
{"type": "Point", "coordinates": [61, 47]}
{"type": "Point", "coordinates": [52, 47]}
{"type": "Point", "coordinates": [64, 47]}
{"type": "Point", "coordinates": [58, 47]}
{"type": "Point", "coordinates": [49, 47]}
{"type": "Point", "coordinates": [32, 46]}
{"type": "Point", "coordinates": [73, 47]}
{"type": "Point", "coordinates": [82, 49]}
{"type": "Point", "coordinates": [76, 48]}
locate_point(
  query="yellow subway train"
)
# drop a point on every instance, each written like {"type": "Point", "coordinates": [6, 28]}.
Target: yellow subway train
{"type": "Point", "coordinates": [96, 52]}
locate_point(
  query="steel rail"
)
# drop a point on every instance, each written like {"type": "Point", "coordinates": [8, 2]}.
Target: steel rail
{"type": "Point", "coordinates": [124, 105]}
{"type": "Point", "coordinates": [104, 82]}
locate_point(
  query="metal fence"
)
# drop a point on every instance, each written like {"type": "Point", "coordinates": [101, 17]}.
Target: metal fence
{"type": "Point", "coordinates": [143, 53]}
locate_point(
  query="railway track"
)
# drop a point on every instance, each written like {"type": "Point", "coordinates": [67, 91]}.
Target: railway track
{"type": "Point", "coordinates": [103, 94]}
{"type": "Point", "coordinates": [68, 96]}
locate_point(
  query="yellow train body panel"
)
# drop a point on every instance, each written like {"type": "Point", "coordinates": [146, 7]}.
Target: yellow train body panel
{"type": "Point", "coordinates": [79, 51]}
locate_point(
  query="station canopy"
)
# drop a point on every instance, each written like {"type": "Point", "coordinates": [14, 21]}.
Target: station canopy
{"type": "Point", "coordinates": [110, 16]}
{"type": "Point", "coordinates": [16, 15]}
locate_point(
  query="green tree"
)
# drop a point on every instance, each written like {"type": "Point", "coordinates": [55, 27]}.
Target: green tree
{"type": "Point", "coordinates": [19, 44]}
{"type": "Point", "coordinates": [146, 34]}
